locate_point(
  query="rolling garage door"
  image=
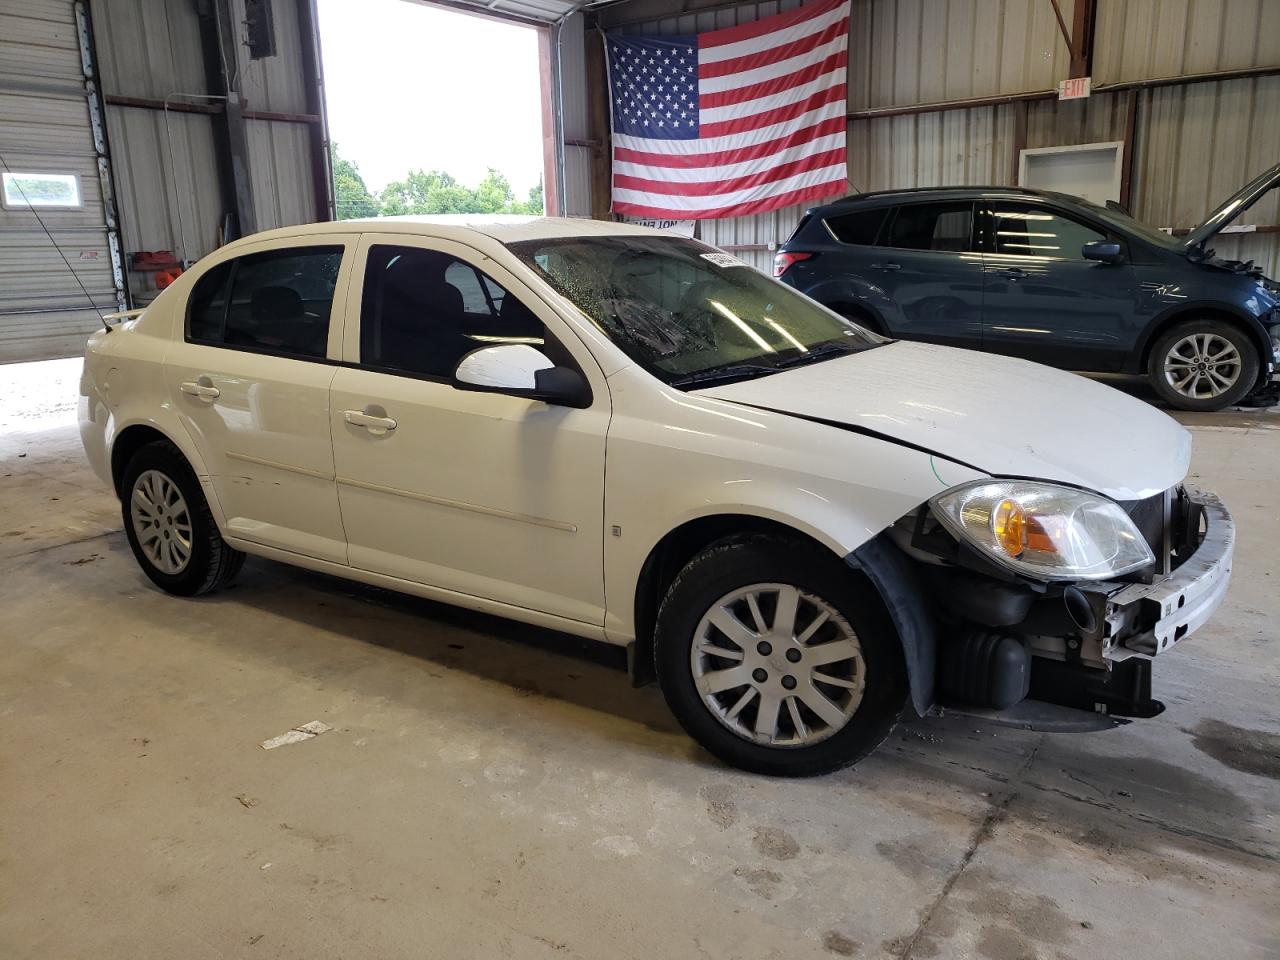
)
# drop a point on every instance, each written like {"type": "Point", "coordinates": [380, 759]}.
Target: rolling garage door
{"type": "Point", "coordinates": [47, 142]}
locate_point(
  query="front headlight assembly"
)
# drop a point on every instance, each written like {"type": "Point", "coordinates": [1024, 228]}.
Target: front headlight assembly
{"type": "Point", "coordinates": [1042, 530]}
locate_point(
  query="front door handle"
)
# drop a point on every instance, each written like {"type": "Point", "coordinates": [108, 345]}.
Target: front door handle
{"type": "Point", "coordinates": [886, 266]}
{"type": "Point", "coordinates": [202, 388]}
{"type": "Point", "coordinates": [370, 419]}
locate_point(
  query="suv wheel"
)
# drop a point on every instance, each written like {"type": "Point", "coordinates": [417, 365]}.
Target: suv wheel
{"type": "Point", "coordinates": [1203, 364]}
{"type": "Point", "coordinates": [777, 658]}
{"type": "Point", "coordinates": [170, 529]}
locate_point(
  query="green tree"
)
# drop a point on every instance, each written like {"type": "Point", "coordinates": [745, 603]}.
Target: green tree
{"type": "Point", "coordinates": [350, 195]}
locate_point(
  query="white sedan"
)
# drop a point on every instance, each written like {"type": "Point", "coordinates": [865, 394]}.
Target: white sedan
{"type": "Point", "coordinates": [800, 527]}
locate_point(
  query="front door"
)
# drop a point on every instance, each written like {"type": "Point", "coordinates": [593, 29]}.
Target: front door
{"type": "Point", "coordinates": [928, 268]}
{"type": "Point", "coordinates": [250, 381]}
{"type": "Point", "coordinates": [1043, 301]}
{"type": "Point", "coordinates": [481, 494]}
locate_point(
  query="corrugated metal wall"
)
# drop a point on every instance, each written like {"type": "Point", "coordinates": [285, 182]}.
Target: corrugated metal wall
{"type": "Point", "coordinates": [577, 149]}
{"type": "Point", "coordinates": [45, 128]}
{"type": "Point", "coordinates": [166, 168]}
{"type": "Point", "coordinates": [1194, 144]}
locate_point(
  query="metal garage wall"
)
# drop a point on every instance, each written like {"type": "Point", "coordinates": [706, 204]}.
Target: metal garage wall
{"type": "Point", "coordinates": [170, 194]}
{"type": "Point", "coordinates": [45, 126]}
{"type": "Point", "coordinates": [923, 51]}
{"type": "Point", "coordinates": [1194, 144]}
{"type": "Point", "coordinates": [578, 146]}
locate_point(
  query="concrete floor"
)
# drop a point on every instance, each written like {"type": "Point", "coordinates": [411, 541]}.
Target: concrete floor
{"type": "Point", "coordinates": [488, 790]}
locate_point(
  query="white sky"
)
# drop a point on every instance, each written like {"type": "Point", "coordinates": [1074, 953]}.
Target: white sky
{"type": "Point", "coordinates": [415, 87]}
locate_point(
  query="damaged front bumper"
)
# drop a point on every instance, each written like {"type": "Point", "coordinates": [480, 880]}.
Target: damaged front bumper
{"type": "Point", "coordinates": [1146, 619]}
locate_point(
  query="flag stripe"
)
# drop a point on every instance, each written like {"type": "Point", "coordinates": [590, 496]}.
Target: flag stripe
{"type": "Point", "coordinates": [771, 70]}
{"type": "Point", "coordinates": [770, 118]}
{"type": "Point", "coordinates": [774, 202]}
{"type": "Point", "coordinates": [833, 141]}
{"type": "Point", "coordinates": [758, 28]}
{"type": "Point", "coordinates": [829, 127]}
{"type": "Point", "coordinates": [711, 201]}
{"type": "Point", "coordinates": [769, 87]}
{"type": "Point", "coordinates": [817, 161]}
{"type": "Point", "coordinates": [714, 53]}
{"type": "Point", "coordinates": [736, 141]}
{"type": "Point", "coordinates": [760, 58]}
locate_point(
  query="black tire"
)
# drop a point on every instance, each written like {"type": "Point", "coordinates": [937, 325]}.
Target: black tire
{"type": "Point", "coordinates": [211, 563]}
{"type": "Point", "coordinates": [735, 563]}
{"type": "Point", "coordinates": [1246, 372]}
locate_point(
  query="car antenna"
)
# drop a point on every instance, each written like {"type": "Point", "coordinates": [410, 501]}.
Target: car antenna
{"type": "Point", "coordinates": [106, 326]}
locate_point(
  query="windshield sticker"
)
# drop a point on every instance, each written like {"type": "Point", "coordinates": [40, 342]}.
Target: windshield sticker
{"type": "Point", "coordinates": [723, 260]}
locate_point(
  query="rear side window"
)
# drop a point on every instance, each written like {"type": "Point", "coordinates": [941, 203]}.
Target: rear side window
{"type": "Point", "coordinates": [932, 226]}
{"type": "Point", "coordinates": [861, 227]}
{"type": "Point", "coordinates": [273, 302]}
{"type": "Point", "coordinates": [422, 311]}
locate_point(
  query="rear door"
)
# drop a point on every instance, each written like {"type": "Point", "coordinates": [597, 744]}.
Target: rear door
{"type": "Point", "coordinates": [929, 270]}
{"type": "Point", "coordinates": [1042, 300]}
{"type": "Point", "coordinates": [250, 381]}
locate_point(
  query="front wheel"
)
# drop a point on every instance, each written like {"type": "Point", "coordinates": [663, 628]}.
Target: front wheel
{"type": "Point", "coordinates": [777, 658]}
{"type": "Point", "coordinates": [1203, 364]}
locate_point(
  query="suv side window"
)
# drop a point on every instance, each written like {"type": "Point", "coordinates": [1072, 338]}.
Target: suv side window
{"type": "Point", "coordinates": [945, 226]}
{"type": "Point", "coordinates": [861, 227]}
{"type": "Point", "coordinates": [422, 311]}
{"type": "Point", "coordinates": [1032, 230]}
{"type": "Point", "coordinates": [273, 302]}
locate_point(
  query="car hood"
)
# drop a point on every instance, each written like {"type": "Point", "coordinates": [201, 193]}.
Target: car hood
{"type": "Point", "coordinates": [1003, 416]}
{"type": "Point", "coordinates": [1237, 204]}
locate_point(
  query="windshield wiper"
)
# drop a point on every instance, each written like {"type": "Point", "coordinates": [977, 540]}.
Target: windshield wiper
{"type": "Point", "coordinates": [729, 374]}
{"type": "Point", "coordinates": [820, 352]}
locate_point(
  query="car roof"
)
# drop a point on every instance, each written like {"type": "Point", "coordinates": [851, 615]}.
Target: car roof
{"type": "Point", "coordinates": [885, 197]}
{"type": "Point", "coordinates": [504, 228]}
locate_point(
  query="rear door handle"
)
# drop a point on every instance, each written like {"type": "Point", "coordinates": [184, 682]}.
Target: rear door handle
{"type": "Point", "coordinates": [201, 388]}
{"type": "Point", "coordinates": [886, 266]}
{"type": "Point", "coordinates": [374, 423]}
{"type": "Point", "coordinates": [1014, 273]}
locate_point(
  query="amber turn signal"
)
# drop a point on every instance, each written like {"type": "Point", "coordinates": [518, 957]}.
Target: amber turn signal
{"type": "Point", "coordinates": [1009, 524]}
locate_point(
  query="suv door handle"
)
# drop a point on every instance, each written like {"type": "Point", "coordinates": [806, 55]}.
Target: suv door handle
{"type": "Point", "coordinates": [201, 388]}
{"type": "Point", "coordinates": [886, 266]}
{"type": "Point", "coordinates": [375, 424]}
{"type": "Point", "coordinates": [1013, 273]}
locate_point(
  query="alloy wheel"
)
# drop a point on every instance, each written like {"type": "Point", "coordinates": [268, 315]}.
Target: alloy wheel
{"type": "Point", "coordinates": [1202, 366]}
{"type": "Point", "coordinates": [778, 666]}
{"type": "Point", "coordinates": [161, 521]}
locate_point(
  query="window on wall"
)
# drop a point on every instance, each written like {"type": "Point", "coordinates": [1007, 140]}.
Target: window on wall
{"type": "Point", "coordinates": [52, 191]}
{"type": "Point", "coordinates": [1033, 231]}
{"type": "Point", "coordinates": [932, 226]}
{"type": "Point", "coordinates": [274, 302]}
{"type": "Point", "coordinates": [422, 311]}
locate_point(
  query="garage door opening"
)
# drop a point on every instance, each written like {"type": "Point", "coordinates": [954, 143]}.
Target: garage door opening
{"type": "Point", "coordinates": [432, 111]}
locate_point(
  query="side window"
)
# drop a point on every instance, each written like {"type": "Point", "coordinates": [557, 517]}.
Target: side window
{"type": "Point", "coordinates": [207, 308]}
{"type": "Point", "coordinates": [859, 228]}
{"type": "Point", "coordinates": [279, 302]}
{"type": "Point", "coordinates": [932, 226]}
{"type": "Point", "coordinates": [1034, 231]}
{"type": "Point", "coordinates": [422, 311]}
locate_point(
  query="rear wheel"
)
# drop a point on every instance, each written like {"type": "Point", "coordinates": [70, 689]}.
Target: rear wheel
{"type": "Point", "coordinates": [777, 658]}
{"type": "Point", "coordinates": [169, 526]}
{"type": "Point", "coordinates": [1203, 364]}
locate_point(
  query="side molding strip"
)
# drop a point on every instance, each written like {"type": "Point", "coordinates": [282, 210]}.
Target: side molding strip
{"type": "Point", "coordinates": [460, 505]}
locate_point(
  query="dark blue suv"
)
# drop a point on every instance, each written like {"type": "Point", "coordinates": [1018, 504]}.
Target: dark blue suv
{"type": "Point", "coordinates": [1048, 277]}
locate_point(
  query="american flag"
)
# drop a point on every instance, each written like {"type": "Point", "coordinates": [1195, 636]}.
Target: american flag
{"type": "Point", "coordinates": [731, 122]}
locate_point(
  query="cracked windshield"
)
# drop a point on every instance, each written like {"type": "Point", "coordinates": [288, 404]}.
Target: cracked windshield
{"type": "Point", "coordinates": [688, 314]}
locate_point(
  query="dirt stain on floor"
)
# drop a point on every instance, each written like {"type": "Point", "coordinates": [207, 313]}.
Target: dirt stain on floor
{"type": "Point", "coordinates": [1249, 751]}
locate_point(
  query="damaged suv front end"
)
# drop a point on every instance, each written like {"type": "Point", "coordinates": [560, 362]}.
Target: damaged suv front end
{"type": "Point", "coordinates": [1048, 593]}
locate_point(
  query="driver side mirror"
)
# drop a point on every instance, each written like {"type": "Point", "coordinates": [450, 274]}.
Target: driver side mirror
{"type": "Point", "coordinates": [1104, 251]}
{"type": "Point", "coordinates": [520, 370]}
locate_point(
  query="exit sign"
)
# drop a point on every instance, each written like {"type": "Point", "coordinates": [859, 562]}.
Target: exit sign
{"type": "Point", "coordinates": [1074, 89]}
